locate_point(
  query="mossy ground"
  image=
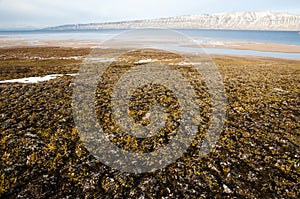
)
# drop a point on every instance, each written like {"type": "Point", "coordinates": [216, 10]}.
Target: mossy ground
{"type": "Point", "coordinates": [257, 154]}
{"type": "Point", "coordinates": [25, 62]}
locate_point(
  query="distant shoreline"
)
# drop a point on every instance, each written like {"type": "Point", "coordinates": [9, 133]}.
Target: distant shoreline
{"type": "Point", "coordinates": [224, 47]}
{"type": "Point", "coordinates": [257, 46]}
{"type": "Point", "coordinates": [284, 44]}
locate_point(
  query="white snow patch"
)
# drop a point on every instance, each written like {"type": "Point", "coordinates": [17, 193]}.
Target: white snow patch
{"type": "Point", "coordinates": [73, 57]}
{"type": "Point", "coordinates": [183, 63]}
{"type": "Point", "coordinates": [143, 61]}
{"type": "Point", "coordinates": [35, 79]}
{"type": "Point", "coordinates": [102, 59]}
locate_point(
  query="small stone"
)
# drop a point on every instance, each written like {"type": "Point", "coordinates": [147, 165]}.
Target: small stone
{"type": "Point", "coordinates": [226, 189]}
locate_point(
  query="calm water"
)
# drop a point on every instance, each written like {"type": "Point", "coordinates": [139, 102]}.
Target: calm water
{"type": "Point", "coordinates": [280, 37]}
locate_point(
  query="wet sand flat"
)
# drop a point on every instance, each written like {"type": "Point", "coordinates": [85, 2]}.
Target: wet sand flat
{"type": "Point", "coordinates": [267, 47]}
{"type": "Point", "coordinates": [256, 46]}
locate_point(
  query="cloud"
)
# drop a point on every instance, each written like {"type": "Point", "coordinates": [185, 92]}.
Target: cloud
{"type": "Point", "coordinates": [55, 12]}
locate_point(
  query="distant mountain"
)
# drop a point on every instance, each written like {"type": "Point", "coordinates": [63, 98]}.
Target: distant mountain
{"type": "Point", "coordinates": [230, 21]}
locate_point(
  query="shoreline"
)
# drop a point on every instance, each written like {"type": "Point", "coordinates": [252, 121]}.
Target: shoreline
{"type": "Point", "coordinates": [16, 52]}
{"type": "Point", "coordinates": [253, 58]}
{"type": "Point", "coordinates": [216, 44]}
{"type": "Point", "coordinates": [256, 46]}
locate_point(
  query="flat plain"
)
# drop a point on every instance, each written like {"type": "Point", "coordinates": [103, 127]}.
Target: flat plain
{"type": "Point", "coordinates": [42, 156]}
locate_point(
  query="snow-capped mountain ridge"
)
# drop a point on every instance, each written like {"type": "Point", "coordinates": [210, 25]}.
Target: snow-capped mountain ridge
{"type": "Point", "coordinates": [233, 21]}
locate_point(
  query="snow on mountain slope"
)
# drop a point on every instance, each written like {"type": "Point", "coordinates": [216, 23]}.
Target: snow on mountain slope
{"type": "Point", "coordinates": [233, 21]}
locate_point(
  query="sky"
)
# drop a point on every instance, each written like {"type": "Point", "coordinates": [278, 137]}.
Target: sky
{"type": "Point", "coordinates": [32, 14]}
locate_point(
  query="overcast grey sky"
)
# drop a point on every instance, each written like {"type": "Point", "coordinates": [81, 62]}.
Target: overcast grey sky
{"type": "Point", "coordinates": [44, 13]}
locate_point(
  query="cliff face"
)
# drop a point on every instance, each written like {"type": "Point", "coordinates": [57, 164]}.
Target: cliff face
{"type": "Point", "coordinates": [230, 21]}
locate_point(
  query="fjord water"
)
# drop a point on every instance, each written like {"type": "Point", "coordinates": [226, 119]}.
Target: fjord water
{"type": "Point", "coordinates": [278, 37]}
